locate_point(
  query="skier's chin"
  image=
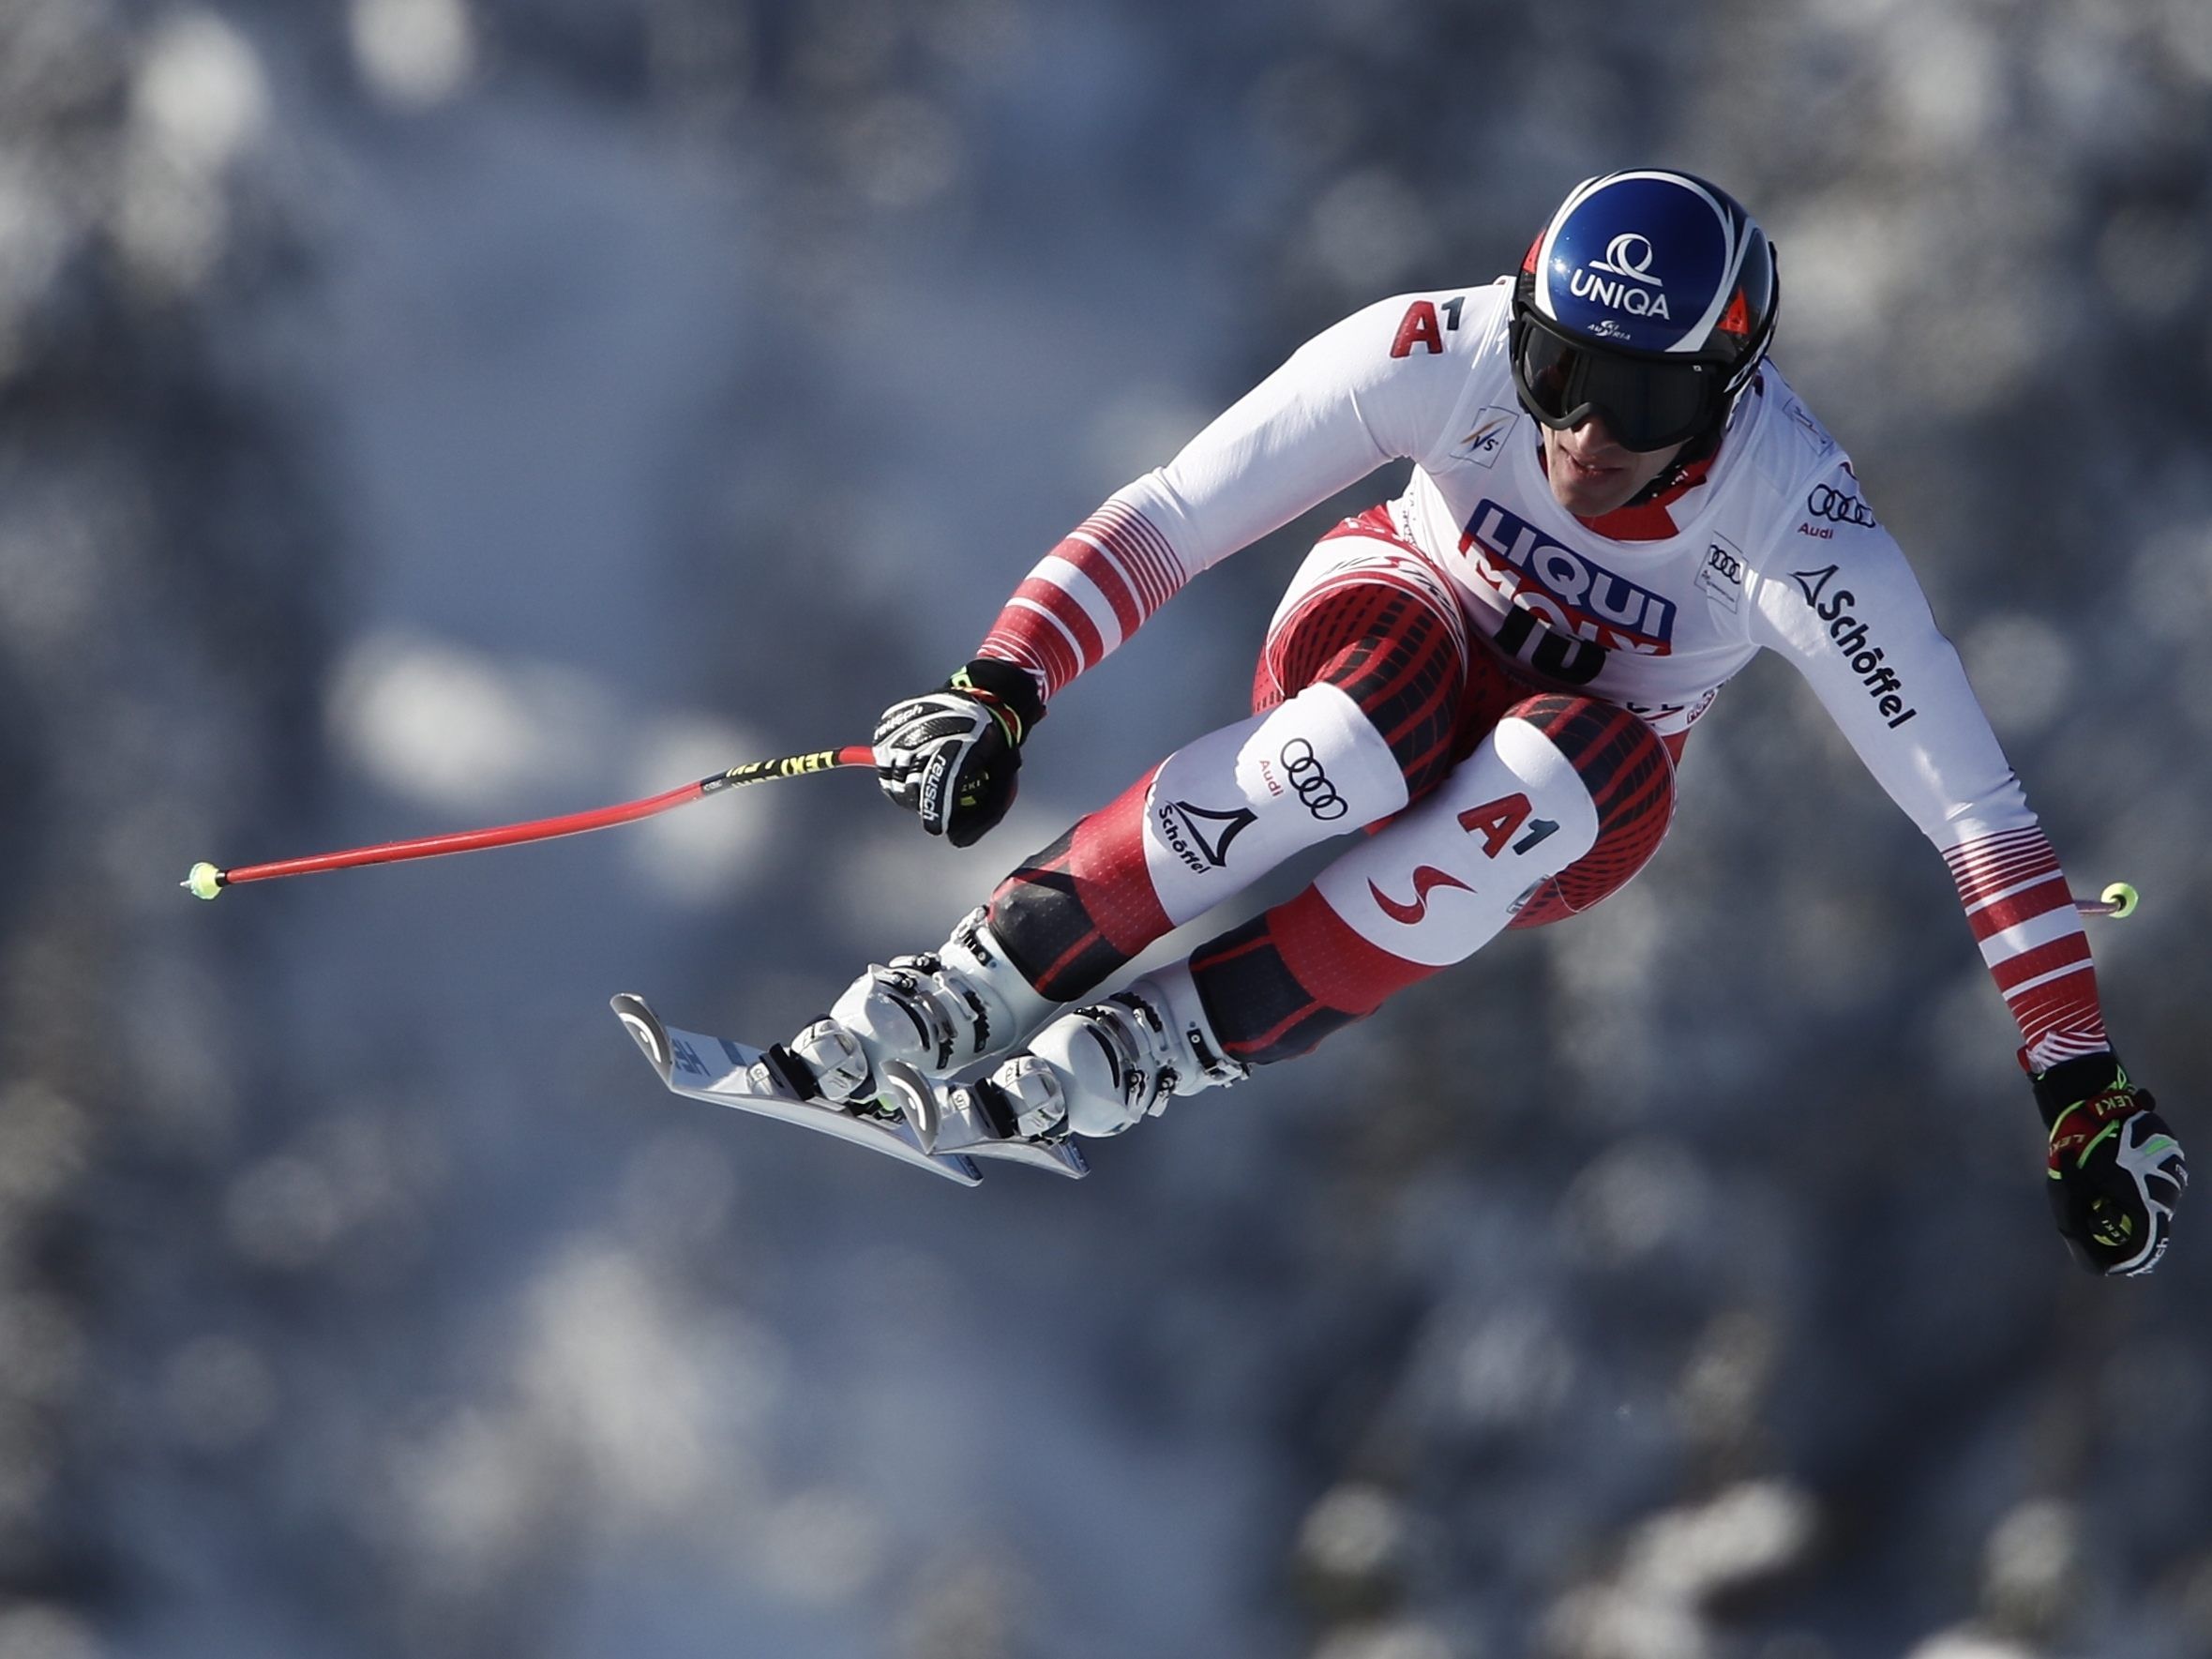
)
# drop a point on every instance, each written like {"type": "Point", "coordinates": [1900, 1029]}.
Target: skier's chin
{"type": "Point", "coordinates": [1607, 480]}
{"type": "Point", "coordinates": [1591, 493]}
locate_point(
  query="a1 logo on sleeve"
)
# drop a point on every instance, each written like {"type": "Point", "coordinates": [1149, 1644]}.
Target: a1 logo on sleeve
{"type": "Point", "coordinates": [1424, 324]}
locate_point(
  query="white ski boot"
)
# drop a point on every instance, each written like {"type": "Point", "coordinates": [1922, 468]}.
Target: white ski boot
{"type": "Point", "coordinates": [933, 1015]}
{"type": "Point", "coordinates": [1104, 1067]}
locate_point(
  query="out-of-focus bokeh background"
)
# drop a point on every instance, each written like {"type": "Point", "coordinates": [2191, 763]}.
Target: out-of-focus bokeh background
{"type": "Point", "coordinates": [416, 413]}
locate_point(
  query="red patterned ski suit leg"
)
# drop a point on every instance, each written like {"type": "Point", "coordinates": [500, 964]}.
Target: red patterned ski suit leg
{"type": "Point", "coordinates": [1370, 616]}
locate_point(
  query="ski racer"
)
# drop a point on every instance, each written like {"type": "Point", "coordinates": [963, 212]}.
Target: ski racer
{"type": "Point", "coordinates": [1617, 501]}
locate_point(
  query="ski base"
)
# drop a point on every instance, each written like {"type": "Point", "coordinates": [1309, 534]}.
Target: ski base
{"type": "Point", "coordinates": [732, 1074]}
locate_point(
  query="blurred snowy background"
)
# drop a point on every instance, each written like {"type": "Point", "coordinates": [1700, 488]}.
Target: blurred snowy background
{"type": "Point", "coordinates": [423, 413]}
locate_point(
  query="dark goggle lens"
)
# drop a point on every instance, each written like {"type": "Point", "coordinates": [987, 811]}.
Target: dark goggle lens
{"type": "Point", "coordinates": [1645, 405]}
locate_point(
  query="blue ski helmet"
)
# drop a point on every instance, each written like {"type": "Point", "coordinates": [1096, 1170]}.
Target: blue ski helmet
{"type": "Point", "coordinates": [1648, 300]}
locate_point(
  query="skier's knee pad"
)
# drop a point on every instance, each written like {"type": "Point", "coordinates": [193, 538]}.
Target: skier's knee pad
{"type": "Point", "coordinates": [1630, 781]}
{"type": "Point", "coordinates": [1441, 881]}
{"type": "Point", "coordinates": [1230, 806]}
{"type": "Point", "coordinates": [1561, 784]}
{"type": "Point", "coordinates": [1385, 629]}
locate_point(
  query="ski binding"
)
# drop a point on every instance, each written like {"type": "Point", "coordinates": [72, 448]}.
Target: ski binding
{"type": "Point", "coordinates": [940, 1130]}
{"type": "Point", "coordinates": [956, 1120]}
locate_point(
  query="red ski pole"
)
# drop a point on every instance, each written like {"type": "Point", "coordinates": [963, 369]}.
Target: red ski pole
{"type": "Point", "coordinates": [206, 881]}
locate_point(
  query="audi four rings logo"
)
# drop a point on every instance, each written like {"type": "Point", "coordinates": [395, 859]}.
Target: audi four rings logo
{"type": "Point", "coordinates": [1302, 767]}
{"type": "Point", "coordinates": [1828, 501]}
{"type": "Point", "coordinates": [1629, 255]}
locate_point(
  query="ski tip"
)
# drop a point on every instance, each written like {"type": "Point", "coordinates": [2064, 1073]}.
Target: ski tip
{"type": "Point", "coordinates": [645, 1026]}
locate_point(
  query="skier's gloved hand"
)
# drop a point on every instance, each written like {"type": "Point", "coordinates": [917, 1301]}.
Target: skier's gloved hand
{"type": "Point", "coordinates": [2115, 1171]}
{"type": "Point", "coordinates": [951, 756]}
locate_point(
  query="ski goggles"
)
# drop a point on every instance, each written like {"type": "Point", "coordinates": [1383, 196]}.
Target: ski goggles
{"type": "Point", "coordinates": [1645, 403]}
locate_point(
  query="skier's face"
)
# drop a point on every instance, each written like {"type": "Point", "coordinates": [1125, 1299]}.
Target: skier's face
{"type": "Point", "coordinates": [1591, 473]}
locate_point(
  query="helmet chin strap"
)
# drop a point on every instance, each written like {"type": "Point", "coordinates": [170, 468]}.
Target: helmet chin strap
{"type": "Point", "coordinates": [1694, 451]}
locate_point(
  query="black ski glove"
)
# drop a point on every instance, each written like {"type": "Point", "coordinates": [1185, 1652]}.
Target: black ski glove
{"type": "Point", "coordinates": [951, 756]}
{"type": "Point", "coordinates": [2115, 1171]}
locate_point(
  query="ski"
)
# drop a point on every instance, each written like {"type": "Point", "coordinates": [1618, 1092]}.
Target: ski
{"type": "Point", "coordinates": [940, 1129]}
{"type": "Point", "coordinates": [732, 1074]}
{"type": "Point", "coordinates": [952, 1119]}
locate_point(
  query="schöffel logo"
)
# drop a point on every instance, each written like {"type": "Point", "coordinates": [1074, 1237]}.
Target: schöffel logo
{"type": "Point", "coordinates": [1628, 284]}
{"type": "Point", "coordinates": [1868, 660]}
{"type": "Point", "coordinates": [1567, 591]}
{"type": "Point", "coordinates": [1199, 836]}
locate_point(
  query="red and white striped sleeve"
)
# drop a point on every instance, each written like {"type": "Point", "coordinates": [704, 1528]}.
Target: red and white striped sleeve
{"type": "Point", "coordinates": [2023, 917]}
{"type": "Point", "coordinates": [1382, 383]}
{"type": "Point", "coordinates": [1860, 632]}
{"type": "Point", "coordinates": [1087, 594]}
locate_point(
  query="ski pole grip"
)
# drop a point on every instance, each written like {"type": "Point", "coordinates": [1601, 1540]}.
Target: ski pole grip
{"type": "Point", "coordinates": [791, 766]}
